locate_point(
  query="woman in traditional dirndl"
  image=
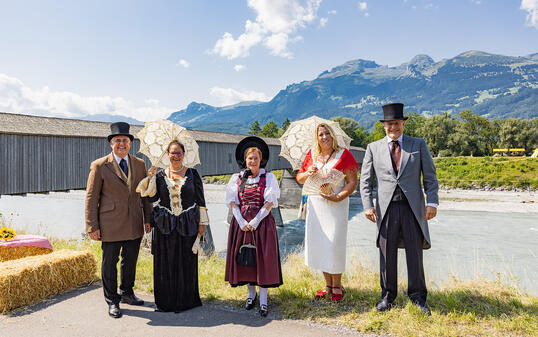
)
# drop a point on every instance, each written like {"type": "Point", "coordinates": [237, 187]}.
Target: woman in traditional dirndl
{"type": "Point", "coordinates": [178, 218]}
{"type": "Point", "coordinates": [250, 195]}
{"type": "Point", "coordinates": [327, 214]}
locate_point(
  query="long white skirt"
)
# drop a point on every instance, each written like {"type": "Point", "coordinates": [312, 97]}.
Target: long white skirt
{"type": "Point", "coordinates": [326, 234]}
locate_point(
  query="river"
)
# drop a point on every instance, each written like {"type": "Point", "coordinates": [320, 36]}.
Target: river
{"type": "Point", "coordinates": [465, 244]}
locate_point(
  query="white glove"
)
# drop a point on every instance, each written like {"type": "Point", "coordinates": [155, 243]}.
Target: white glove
{"type": "Point", "coordinates": [196, 246]}
{"type": "Point", "coordinates": [240, 220]}
{"type": "Point", "coordinates": [262, 213]}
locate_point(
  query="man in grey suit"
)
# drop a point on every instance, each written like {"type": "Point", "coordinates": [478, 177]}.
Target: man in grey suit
{"type": "Point", "coordinates": [396, 164]}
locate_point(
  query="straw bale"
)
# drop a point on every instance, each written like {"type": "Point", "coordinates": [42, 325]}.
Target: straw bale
{"type": "Point", "coordinates": [28, 280]}
{"type": "Point", "coordinates": [13, 253]}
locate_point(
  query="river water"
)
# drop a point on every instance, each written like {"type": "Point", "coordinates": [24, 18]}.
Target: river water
{"type": "Point", "coordinates": [465, 244]}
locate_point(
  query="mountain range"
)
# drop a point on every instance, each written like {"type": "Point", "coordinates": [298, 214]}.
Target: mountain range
{"type": "Point", "coordinates": [494, 86]}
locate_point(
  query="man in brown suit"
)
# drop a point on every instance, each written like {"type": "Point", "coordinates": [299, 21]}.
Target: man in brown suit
{"type": "Point", "coordinates": [117, 216]}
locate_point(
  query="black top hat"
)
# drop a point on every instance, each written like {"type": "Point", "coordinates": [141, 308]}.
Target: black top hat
{"type": "Point", "coordinates": [392, 112]}
{"type": "Point", "coordinates": [247, 143]}
{"type": "Point", "coordinates": [119, 129]}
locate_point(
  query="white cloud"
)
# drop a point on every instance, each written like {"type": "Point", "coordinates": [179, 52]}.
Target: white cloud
{"type": "Point", "coordinates": [276, 23]}
{"type": "Point", "coordinates": [332, 12]}
{"type": "Point", "coordinates": [531, 6]}
{"type": "Point", "coordinates": [184, 63]}
{"type": "Point", "coordinates": [428, 6]}
{"type": "Point", "coordinates": [323, 21]}
{"type": "Point", "coordinates": [16, 97]}
{"type": "Point", "coordinates": [363, 6]}
{"type": "Point", "coordinates": [229, 96]}
{"type": "Point", "coordinates": [239, 67]}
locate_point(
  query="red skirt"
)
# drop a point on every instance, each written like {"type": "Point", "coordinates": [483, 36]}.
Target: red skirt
{"type": "Point", "coordinates": [268, 272]}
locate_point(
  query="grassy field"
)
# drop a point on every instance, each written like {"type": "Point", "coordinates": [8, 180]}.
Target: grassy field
{"type": "Point", "coordinates": [462, 172]}
{"type": "Point", "coordinates": [477, 308]}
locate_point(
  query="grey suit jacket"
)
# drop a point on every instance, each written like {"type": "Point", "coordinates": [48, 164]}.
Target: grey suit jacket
{"type": "Point", "coordinates": [416, 161]}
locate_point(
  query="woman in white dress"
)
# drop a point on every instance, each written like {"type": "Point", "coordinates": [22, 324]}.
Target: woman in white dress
{"type": "Point", "coordinates": [327, 214]}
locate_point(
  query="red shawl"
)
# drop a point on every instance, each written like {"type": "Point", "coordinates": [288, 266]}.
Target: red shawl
{"type": "Point", "coordinates": [345, 163]}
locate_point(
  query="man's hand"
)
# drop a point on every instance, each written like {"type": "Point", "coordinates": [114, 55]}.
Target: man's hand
{"type": "Point", "coordinates": [95, 235]}
{"type": "Point", "coordinates": [371, 214]}
{"type": "Point", "coordinates": [147, 227]}
{"type": "Point", "coordinates": [431, 212]}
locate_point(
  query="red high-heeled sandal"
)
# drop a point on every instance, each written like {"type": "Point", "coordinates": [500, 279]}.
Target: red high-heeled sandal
{"type": "Point", "coordinates": [322, 293]}
{"type": "Point", "coordinates": [338, 297]}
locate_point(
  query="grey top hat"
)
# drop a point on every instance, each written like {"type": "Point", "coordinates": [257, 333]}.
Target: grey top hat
{"type": "Point", "coordinates": [119, 129]}
{"type": "Point", "coordinates": [392, 112]}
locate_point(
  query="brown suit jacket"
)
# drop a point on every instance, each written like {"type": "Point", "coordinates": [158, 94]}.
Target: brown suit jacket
{"type": "Point", "coordinates": [112, 204]}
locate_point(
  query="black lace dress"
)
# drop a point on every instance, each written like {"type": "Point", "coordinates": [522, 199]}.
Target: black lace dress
{"type": "Point", "coordinates": [175, 220]}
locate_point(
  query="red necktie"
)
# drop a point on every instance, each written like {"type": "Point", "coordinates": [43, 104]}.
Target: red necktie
{"type": "Point", "coordinates": [395, 155]}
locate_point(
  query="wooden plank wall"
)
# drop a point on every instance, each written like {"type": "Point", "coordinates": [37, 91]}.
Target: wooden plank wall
{"type": "Point", "coordinates": [33, 163]}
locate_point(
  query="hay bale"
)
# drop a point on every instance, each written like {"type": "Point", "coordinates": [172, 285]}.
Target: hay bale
{"type": "Point", "coordinates": [13, 253]}
{"type": "Point", "coordinates": [28, 280]}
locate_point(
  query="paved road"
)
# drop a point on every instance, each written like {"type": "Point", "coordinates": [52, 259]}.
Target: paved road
{"type": "Point", "coordinates": [83, 312]}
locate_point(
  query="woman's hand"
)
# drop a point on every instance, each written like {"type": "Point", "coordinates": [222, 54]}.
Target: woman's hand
{"type": "Point", "coordinates": [311, 170]}
{"type": "Point", "coordinates": [331, 196]}
{"type": "Point", "coordinates": [152, 171]}
{"type": "Point", "coordinates": [201, 229]}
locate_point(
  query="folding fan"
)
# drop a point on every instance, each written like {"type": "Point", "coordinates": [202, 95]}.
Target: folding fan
{"type": "Point", "coordinates": [323, 181]}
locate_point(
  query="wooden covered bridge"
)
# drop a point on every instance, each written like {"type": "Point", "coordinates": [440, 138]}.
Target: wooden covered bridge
{"type": "Point", "coordinates": [41, 154]}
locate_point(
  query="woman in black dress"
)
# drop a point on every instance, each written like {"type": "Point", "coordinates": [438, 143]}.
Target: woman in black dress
{"type": "Point", "coordinates": [179, 216]}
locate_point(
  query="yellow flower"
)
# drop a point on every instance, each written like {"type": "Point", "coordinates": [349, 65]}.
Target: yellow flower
{"type": "Point", "coordinates": [7, 234]}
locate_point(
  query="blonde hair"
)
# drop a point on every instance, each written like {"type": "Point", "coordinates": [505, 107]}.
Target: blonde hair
{"type": "Point", "coordinates": [335, 145]}
{"type": "Point", "coordinates": [252, 149]}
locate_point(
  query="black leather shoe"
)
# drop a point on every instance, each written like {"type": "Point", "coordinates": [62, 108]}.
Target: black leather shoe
{"type": "Point", "coordinates": [250, 302]}
{"type": "Point", "coordinates": [264, 310]}
{"type": "Point", "coordinates": [384, 305]}
{"type": "Point", "coordinates": [114, 310]}
{"type": "Point", "coordinates": [131, 299]}
{"type": "Point", "coordinates": [424, 308]}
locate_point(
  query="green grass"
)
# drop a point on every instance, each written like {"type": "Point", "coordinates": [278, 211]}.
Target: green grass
{"type": "Point", "coordinates": [510, 172]}
{"type": "Point", "coordinates": [476, 308]}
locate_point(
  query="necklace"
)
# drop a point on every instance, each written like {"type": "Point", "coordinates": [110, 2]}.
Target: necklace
{"type": "Point", "coordinates": [175, 171]}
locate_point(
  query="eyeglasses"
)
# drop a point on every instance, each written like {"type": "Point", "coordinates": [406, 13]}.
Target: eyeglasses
{"type": "Point", "coordinates": [179, 154]}
{"type": "Point", "coordinates": [118, 141]}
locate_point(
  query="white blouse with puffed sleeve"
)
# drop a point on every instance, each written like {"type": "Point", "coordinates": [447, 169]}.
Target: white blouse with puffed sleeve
{"type": "Point", "coordinates": [271, 193]}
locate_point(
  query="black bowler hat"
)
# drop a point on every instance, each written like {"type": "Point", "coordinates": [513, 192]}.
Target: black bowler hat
{"type": "Point", "coordinates": [119, 129]}
{"type": "Point", "coordinates": [247, 143]}
{"type": "Point", "coordinates": [392, 112]}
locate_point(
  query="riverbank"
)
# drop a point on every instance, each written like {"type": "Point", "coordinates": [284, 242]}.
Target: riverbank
{"type": "Point", "coordinates": [488, 201]}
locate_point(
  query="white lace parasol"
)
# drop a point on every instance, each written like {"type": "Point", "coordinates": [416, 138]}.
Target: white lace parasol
{"type": "Point", "coordinates": [155, 137]}
{"type": "Point", "coordinates": [301, 135]}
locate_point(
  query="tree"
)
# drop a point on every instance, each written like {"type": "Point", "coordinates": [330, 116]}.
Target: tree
{"type": "Point", "coordinates": [255, 128]}
{"type": "Point", "coordinates": [413, 124]}
{"type": "Point", "coordinates": [348, 125]}
{"type": "Point", "coordinates": [436, 131]}
{"type": "Point", "coordinates": [285, 125]}
{"type": "Point", "coordinates": [269, 130]}
{"type": "Point", "coordinates": [378, 133]}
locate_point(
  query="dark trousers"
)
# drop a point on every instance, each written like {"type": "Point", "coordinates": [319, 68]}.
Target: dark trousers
{"type": "Point", "coordinates": [109, 273]}
{"type": "Point", "coordinates": [399, 222]}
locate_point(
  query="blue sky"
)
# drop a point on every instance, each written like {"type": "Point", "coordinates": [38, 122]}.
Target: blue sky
{"type": "Point", "coordinates": [147, 59]}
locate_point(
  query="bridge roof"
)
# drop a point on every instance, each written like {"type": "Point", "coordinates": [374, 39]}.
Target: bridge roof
{"type": "Point", "coordinates": [52, 126]}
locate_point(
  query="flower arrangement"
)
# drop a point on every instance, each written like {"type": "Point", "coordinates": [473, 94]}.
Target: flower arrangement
{"type": "Point", "coordinates": [7, 234]}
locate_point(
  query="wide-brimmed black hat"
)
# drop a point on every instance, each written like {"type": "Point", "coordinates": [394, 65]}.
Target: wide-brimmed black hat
{"type": "Point", "coordinates": [392, 112]}
{"type": "Point", "coordinates": [247, 143]}
{"type": "Point", "coordinates": [119, 129]}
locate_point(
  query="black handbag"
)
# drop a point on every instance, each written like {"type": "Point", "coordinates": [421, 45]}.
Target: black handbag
{"type": "Point", "coordinates": [246, 256]}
